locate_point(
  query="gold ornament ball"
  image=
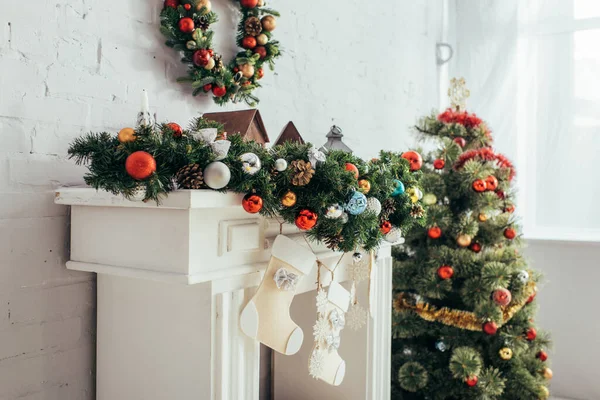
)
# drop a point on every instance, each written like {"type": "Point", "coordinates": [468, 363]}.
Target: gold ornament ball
{"type": "Point", "coordinates": [505, 353]}
{"type": "Point", "coordinates": [547, 373]}
{"type": "Point", "coordinates": [247, 70]}
{"type": "Point", "coordinates": [429, 199]}
{"type": "Point", "coordinates": [364, 186]}
{"type": "Point", "coordinates": [206, 4]}
{"type": "Point", "coordinates": [269, 23]}
{"type": "Point", "coordinates": [463, 240]}
{"type": "Point", "coordinates": [210, 65]}
{"type": "Point", "coordinates": [289, 199]}
{"type": "Point", "coordinates": [482, 217]}
{"type": "Point", "coordinates": [261, 3]}
{"type": "Point", "coordinates": [545, 393]}
{"type": "Point", "coordinates": [413, 193]}
{"type": "Point", "coordinates": [262, 39]}
{"type": "Point", "coordinates": [126, 135]}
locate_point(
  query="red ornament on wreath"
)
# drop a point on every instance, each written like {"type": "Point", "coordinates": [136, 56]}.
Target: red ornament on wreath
{"type": "Point", "coordinates": [491, 183]}
{"type": "Point", "coordinates": [475, 247]}
{"type": "Point", "coordinates": [490, 328]}
{"type": "Point", "coordinates": [261, 73]}
{"type": "Point", "coordinates": [415, 160]}
{"type": "Point", "coordinates": [252, 203]}
{"type": "Point", "coordinates": [219, 91]}
{"type": "Point", "coordinates": [261, 51]}
{"type": "Point", "coordinates": [201, 57]}
{"type": "Point", "coordinates": [249, 42]}
{"type": "Point", "coordinates": [445, 272]}
{"type": "Point", "coordinates": [249, 3]}
{"type": "Point", "coordinates": [510, 209]}
{"type": "Point", "coordinates": [531, 334]}
{"type": "Point", "coordinates": [187, 7]}
{"type": "Point", "coordinates": [472, 381]}
{"type": "Point", "coordinates": [542, 355]}
{"type": "Point", "coordinates": [502, 297]}
{"type": "Point", "coordinates": [176, 128]}
{"type": "Point", "coordinates": [386, 227]}
{"type": "Point", "coordinates": [140, 165]}
{"type": "Point", "coordinates": [171, 3]}
{"type": "Point", "coordinates": [479, 185]}
{"type": "Point", "coordinates": [439, 163]}
{"type": "Point", "coordinates": [352, 168]}
{"type": "Point", "coordinates": [306, 220]}
{"type": "Point", "coordinates": [186, 25]}
{"type": "Point", "coordinates": [435, 232]}
{"type": "Point", "coordinates": [461, 142]}
{"type": "Point", "coordinates": [207, 87]}
{"type": "Point", "coordinates": [531, 298]}
{"type": "Point", "coordinates": [510, 233]}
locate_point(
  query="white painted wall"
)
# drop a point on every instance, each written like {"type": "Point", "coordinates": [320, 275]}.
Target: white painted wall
{"type": "Point", "coordinates": [71, 66]}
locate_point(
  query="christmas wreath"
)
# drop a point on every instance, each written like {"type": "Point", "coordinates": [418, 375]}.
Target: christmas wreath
{"type": "Point", "coordinates": [186, 25]}
{"type": "Point", "coordinates": [336, 197]}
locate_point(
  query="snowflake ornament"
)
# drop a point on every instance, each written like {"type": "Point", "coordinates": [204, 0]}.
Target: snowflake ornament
{"type": "Point", "coordinates": [359, 271]}
{"type": "Point", "coordinates": [322, 301]}
{"type": "Point", "coordinates": [321, 329]}
{"type": "Point", "coordinates": [315, 364]}
{"type": "Point", "coordinates": [356, 317]}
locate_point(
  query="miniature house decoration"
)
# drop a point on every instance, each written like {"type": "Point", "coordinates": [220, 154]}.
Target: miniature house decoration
{"type": "Point", "coordinates": [248, 123]}
{"type": "Point", "coordinates": [334, 141]}
{"type": "Point", "coordinates": [289, 134]}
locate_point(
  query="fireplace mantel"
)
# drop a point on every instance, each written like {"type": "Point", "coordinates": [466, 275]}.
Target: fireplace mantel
{"type": "Point", "coordinates": [172, 280]}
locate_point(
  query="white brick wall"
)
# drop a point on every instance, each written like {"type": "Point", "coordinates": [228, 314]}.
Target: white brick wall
{"type": "Point", "coordinates": [71, 66]}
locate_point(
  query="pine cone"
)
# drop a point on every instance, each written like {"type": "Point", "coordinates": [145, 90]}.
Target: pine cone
{"type": "Point", "coordinates": [387, 208]}
{"type": "Point", "coordinates": [333, 242]}
{"type": "Point", "coordinates": [190, 177]}
{"type": "Point", "coordinates": [218, 63]}
{"type": "Point", "coordinates": [417, 211]}
{"type": "Point", "coordinates": [303, 172]}
{"type": "Point", "coordinates": [203, 23]}
{"type": "Point", "coordinates": [253, 26]}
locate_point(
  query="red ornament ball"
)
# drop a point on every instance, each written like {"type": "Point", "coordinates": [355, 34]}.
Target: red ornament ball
{"type": "Point", "coordinates": [415, 160]}
{"type": "Point", "coordinates": [186, 25]}
{"type": "Point", "coordinates": [140, 165]}
{"type": "Point", "coordinates": [479, 185]}
{"type": "Point", "coordinates": [261, 73]}
{"type": "Point", "coordinates": [531, 298]}
{"type": "Point", "coordinates": [439, 163]}
{"type": "Point", "coordinates": [445, 272]}
{"type": "Point", "coordinates": [510, 233]}
{"type": "Point", "coordinates": [542, 355]}
{"type": "Point", "coordinates": [176, 128]}
{"type": "Point", "coordinates": [531, 334]}
{"type": "Point", "coordinates": [201, 57]}
{"type": "Point", "coordinates": [252, 203]}
{"type": "Point", "coordinates": [249, 3]}
{"type": "Point", "coordinates": [219, 91]}
{"type": "Point", "coordinates": [435, 232]}
{"type": "Point", "coordinates": [460, 141]}
{"type": "Point", "coordinates": [501, 194]}
{"type": "Point", "coordinates": [207, 87]}
{"type": "Point", "coordinates": [249, 42]}
{"type": "Point", "coordinates": [385, 227]}
{"type": "Point", "coordinates": [171, 3]}
{"type": "Point", "coordinates": [352, 168]}
{"type": "Point", "coordinates": [476, 247]}
{"type": "Point", "coordinates": [261, 51]}
{"type": "Point", "coordinates": [306, 220]}
{"type": "Point", "coordinates": [187, 7]}
{"type": "Point", "coordinates": [502, 297]}
{"type": "Point", "coordinates": [490, 328]}
{"type": "Point", "coordinates": [491, 183]}
{"type": "Point", "coordinates": [510, 209]}
{"type": "Point", "coordinates": [472, 380]}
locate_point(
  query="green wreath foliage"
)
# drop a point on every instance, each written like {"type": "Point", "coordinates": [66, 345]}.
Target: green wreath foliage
{"type": "Point", "coordinates": [331, 184]}
{"type": "Point", "coordinates": [235, 80]}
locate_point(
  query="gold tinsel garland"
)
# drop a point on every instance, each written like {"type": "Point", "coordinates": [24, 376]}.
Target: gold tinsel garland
{"type": "Point", "coordinates": [461, 319]}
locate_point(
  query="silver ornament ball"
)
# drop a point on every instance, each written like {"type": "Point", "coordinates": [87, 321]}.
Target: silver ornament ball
{"type": "Point", "coordinates": [523, 276]}
{"type": "Point", "coordinates": [217, 175]}
{"type": "Point", "coordinates": [374, 205]}
{"type": "Point", "coordinates": [357, 257]}
{"type": "Point", "coordinates": [441, 346]}
{"type": "Point", "coordinates": [281, 165]}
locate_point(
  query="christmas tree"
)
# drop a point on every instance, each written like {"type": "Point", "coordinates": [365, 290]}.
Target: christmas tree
{"type": "Point", "coordinates": [463, 294]}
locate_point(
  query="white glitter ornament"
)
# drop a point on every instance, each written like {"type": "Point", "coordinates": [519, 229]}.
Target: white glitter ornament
{"type": "Point", "coordinates": [250, 163]}
{"type": "Point", "coordinates": [281, 165]}
{"type": "Point", "coordinates": [344, 217]}
{"type": "Point", "coordinates": [394, 236]}
{"type": "Point", "coordinates": [356, 317]}
{"type": "Point", "coordinates": [374, 205]}
{"type": "Point", "coordinates": [321, 329]}
{"type": "Point", "coordinates": [315, 156]}
{"type": "Point", "coordinates": [315, 364]}
{"type": "Point", "coordinates": [217, 175]}
{"type": "Point", "coordinates": [334, 211]}
{"type": "Point", "coordinates": [322, 301]}
{"type": "Point", "coordinates": [359, 271]}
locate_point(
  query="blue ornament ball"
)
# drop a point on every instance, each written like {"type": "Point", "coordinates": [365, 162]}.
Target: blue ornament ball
{"type": "Point", "coordinates": [357, 203]}
{"type": "Point", "coordinates": [399, 188]}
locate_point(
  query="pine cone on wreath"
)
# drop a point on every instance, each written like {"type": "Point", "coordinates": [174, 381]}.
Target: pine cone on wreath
{"type": "Point", "coordinates": [218, 63]}
{"type": "Point", "coordinates": [203, 23]}
{"type": "Point", "coordinates": [253, 26]}
{"type": "Point", "coordinates": [303, 172]}
{"type": "Point", "coordinates": [387, 208]}
{"type": "Point", "coordinates": [417, 211]}
{"type": "Point", "coordinates": [190, 177]}
{"type": "Point", "coordinates": [333, 242]}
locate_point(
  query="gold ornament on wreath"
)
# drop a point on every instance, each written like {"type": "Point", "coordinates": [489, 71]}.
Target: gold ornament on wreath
{"type": "Point", "coordinates": [186, 26]}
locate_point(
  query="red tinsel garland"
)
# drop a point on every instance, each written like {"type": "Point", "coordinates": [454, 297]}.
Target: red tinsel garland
{"type": "Point", "coordinates": [485, 154]}
{"type": "Point", "coordinates": [451, 116]}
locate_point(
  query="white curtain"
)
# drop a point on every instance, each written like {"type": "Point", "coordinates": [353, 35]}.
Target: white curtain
{"type": "Point", "coordinates": [533, 68]}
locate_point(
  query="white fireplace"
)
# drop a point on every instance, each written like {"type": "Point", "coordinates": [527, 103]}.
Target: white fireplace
{"type": "Point", "coordinates": [172, 281]}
